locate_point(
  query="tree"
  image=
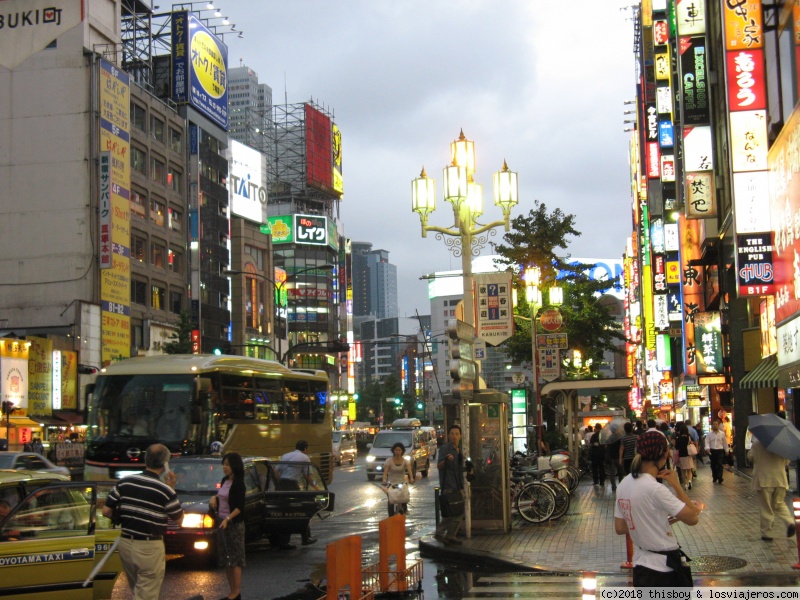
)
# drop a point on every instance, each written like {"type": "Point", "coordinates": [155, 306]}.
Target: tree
{"type": "Point", "coordinates": [181, 340]}
{"type": "Point", "coordinates": [535, 239]}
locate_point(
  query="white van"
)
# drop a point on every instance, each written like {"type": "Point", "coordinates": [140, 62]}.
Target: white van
{"type": "Point", "coordinates": [430, 433]}
{"type": "Point", "coordinates": [410, 435]}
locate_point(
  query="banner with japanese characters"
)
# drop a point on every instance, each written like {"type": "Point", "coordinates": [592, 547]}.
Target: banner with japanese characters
{"type": "Point", "coordinates": [494, 307]}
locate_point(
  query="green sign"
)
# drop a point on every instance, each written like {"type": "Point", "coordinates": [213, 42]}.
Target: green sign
{"type": "Point", "coordinates": [519, 400]}
{"type": "Point", "coordinates": [280, 228]}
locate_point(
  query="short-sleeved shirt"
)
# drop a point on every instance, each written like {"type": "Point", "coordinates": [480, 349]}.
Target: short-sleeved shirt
{"type": "Point", "coordinates": [295, 472]}
{"type": "Point", "coordinates": [144, 503]}
{"type": "Point", "coordinates": [629, 446]}
{"type": "Point", "coordinates": [646, 506]}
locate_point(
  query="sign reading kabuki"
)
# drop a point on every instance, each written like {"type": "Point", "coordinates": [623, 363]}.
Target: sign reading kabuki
{"type": "Point", "coordinates": [29, 26]}
{"type": "Point", "coordinates": [754, 264]}
{"type": "Point", "coordinates": [493, 305]}
{"type": "Point", "coordinates": [199, 67]}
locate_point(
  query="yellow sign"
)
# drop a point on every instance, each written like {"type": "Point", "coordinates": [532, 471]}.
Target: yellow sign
{"type": "Point", "coordinates": [116, 336]}
{"type": "Point", "coordinates": [40, 377]}
{"type": "Point", "coordinates": [209, 64]}
{"type": "Point", "coordinates": [69, 380]}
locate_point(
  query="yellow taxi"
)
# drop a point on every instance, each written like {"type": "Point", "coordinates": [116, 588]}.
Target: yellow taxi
{"type": "Point", "coordinates": [52, 537]}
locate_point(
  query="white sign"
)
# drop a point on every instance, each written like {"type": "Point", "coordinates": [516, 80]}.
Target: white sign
{"type": "Point", "coordinates": [518, 378]}
{"type": "Point", "coordinates": [494, 321]}
{"type": "Point", "coordinates": [14, 384]}
{"type": "Point", "coordinates": [751, 202]}
{"type": "Point", "coordinates": [549, 364]}
{"type": "Point", "coordinates": [789, 342]}
{"type": "Point", "coordinates": [29, 26]}
{"type": "Point", "coordinates": [246, 182]}
{"type": "Point", "coordinates": [480, 349]}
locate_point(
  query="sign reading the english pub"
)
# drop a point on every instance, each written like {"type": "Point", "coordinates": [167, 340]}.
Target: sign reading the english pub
{"type": "Point", "coordinates": [755, 274]}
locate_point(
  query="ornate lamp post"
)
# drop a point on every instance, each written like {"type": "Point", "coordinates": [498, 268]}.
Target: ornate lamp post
{"type": "Point", "coordinates": [466, 236]}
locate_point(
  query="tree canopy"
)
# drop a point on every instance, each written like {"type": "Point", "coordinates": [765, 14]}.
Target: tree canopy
{"type": "Point", "coordinates": [181, 340]}
{"type": "Point", "coordinates": [535, 239]}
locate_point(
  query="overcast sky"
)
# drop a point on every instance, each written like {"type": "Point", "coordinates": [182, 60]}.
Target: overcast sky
{"type": "Point", "coordinates": [539, 84]}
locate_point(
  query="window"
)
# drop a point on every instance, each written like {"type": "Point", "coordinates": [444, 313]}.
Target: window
{"type": "Point", "coordinates": [157, 212]}
{"type": "Point", "coordinates": [175, 140]}
{"type": "Point", "coordinates": [157, 128]}
{"type": "Point", "coordinates": [138, 116]}
{"type": "Point", "coordinates": [174, 180]}
{"type": "Point", "coordinates": [158, 172]}
{"type": "Point", "coordinates": [138, 292]}
{"type": "Point", "coordinates": [157, 255]}
{"type": "Point", "coordinates": [175, 302]}
{"type": "Point", "coordinates": [138, 247]}
{"type": "Point", "coordinates": [175, 220]}
{"type": "Point", "coordinates": [257, 254]}
{"type": "Point", "coordinates": [175, 259]}
{"type": "Point", "coordinates": [138, 206]}
{"type": "Point", "coordinates": [158, 296]}
{"type": "Point", "coordinates": [138, 160]}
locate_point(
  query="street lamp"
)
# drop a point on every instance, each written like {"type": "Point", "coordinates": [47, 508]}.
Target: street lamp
{"type": "Point", "coordinates": [278, 288]}
{"type": "Point", "coordinates": [465, 237]}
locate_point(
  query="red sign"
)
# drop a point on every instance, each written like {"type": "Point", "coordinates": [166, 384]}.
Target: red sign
{"type": "Point", "coordinates": [653, 160]}
{"type": "Point", "coordinates": [746, 83]}
{"type": "Point", "coordinates": [551, 319]}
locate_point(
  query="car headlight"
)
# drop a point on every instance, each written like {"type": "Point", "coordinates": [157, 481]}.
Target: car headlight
{"type": "Point", "coordinates": [370, 458]}
{"type": "Point", "coordinates": [197, 521]}
{"type": "Point", "coordinates": [407, 457]}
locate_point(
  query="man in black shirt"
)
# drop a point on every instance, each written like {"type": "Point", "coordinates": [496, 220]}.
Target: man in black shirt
{"type": "Point", "coordinates": [143, 503]}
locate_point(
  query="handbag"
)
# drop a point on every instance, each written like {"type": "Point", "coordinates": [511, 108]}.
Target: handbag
{"type": "Point", "coordinates": [691, 449]}
{"type": "Point", "coordinates": [398, 494]}
{"type": "Point", "coordinates": [451, 503]}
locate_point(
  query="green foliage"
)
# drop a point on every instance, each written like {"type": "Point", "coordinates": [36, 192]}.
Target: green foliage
{"type": "Point", "coordinates": [181, 340]}
{"type": "Point", "coordinates": [535, 239]}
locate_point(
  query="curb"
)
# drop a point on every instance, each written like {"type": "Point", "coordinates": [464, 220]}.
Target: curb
{"type": "Point", "coordinates": [430, 548]}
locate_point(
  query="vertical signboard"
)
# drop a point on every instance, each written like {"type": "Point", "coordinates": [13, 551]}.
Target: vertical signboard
{"type": "Point", "coordinates": [14, 374]}
{"type": "Point", "coordinates": [708, 337]}
{"type": "Point", "coordinates": [115, 281]}
{"type": "Point", "coordinates": [691, 289]}
{"type": "Point", "coordinates": [319, 149]}
{"type": "Point", "coordinates": [40, 376]}
{"type": "Point", "coordinates": [494, 307]}
{"type": "Point", "coordinates": [338, 181]}
{"type": "Point", "coordinates": [247, 182]}
{"type": "Point", "coordinates": [755, 276]}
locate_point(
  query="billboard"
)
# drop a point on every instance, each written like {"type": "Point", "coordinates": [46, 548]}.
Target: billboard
{"type": "Point", "coordinates": [338, 182]}
{"type": "Point", "coordinates": [494, 321]}
{"type": "Point", "coordinates": [313, 230]}
{"type": "Point", "coordinates": [319, 149]}
{"type": "Point", "coordinates": [247, 181]}
{"type": "Point", "coordinates": [199, 67]}
{"type": "Point", "coordinates": [29, 26]}
{"type": "Point", "coordinates": [114, 179]}
{"type": "Point", "coordinates": [755, 276]}
{"type": "Point", "coordinates": [696, 105]}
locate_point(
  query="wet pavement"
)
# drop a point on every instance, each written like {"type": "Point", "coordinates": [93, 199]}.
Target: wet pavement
{"type": "Point", "coordinates": [726, 543]}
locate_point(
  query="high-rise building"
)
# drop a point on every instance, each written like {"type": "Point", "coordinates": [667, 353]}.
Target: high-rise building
{"type": "Point", "coordinates": [250, 105]}
{"type": "Point", "coordinates": [360, 276]}
{"type": "Point", "coordinates": [374, 282]}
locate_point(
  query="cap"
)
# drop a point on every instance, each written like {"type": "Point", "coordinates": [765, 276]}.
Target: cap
{"type": "Point", "coordinates": [651, 445]}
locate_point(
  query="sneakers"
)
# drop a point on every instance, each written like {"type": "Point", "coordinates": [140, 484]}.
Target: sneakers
{"type": "Point", "coordinates": [791, 530]}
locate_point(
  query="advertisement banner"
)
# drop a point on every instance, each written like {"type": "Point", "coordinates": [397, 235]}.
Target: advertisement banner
{"type": "Point", "coordinates": [690, 17]}
{"type": "Point", "coordinates": [755, 275]}
{"type": "Point", "coordinates": [549, 364]}
{"type": "Point", "coordinates": [40, 376]}
{"type": "Point", "coordinates": [311, 230]}
{"type": "Point", "coordinates": [748, 138]}
{"type": "Point", "coordinates": [494, 321]}
{"type": "Point", "coordinates": [319, 149]}
{"type": "Point", "coordinates": [751, 199]}
{"type": "Point", "coordinates": [30, 26]}
{"type": "Point", "coordinates": [199, 67]}
{"type": "Point", "coordinates": [696, 106]}
{"type": "Point", "coordinates": [747, 86]}
{"type": "Point", "coordinates": [280, 228]}
{"type": "Point", "coordinates": [698, 148]}
{"type": "Point", "coordinates": [247, 181]}
{"type": "Point", "coordinates": [744, 24]}
{"type": "Point", "coordinates": [69, 380]}
{"type": "Point", "coordinates": [708, 336]}
{"type": "Point", "coordinates": [14, 373]}
{"type": "Point", "coordinates": [338, 181]}
{"type": "Point", "coordinates": [558, 341]}
{"type": "Point", "coordinates": [701, 199]}
{"type": "Point", "coordinates": [691, 288]}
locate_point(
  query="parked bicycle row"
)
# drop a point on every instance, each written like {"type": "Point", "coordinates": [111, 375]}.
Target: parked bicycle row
{"type": "Point", "coordinates": [541, 486]}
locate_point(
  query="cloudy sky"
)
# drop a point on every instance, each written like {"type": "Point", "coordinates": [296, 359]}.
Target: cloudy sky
{"type": "Point", "coordinates": [539, 84]}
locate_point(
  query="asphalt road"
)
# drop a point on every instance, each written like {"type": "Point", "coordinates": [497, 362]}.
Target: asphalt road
{"type": "Point", "coordinates": [296, 574]}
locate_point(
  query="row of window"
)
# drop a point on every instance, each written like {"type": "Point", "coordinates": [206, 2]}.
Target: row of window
{"type": "Point", "coordinates": [156, 254]}
{"type": "Point", "coordinates": [158, 128]}
{"type": "Point", "coordinates": [156, 169]}
{"type": "Point", "coordinates": [159, 213]}
{"type": "Point", "coordinates": [155, 296]}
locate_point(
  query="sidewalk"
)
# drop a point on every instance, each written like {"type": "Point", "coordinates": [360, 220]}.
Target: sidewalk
{"type": "Point", "coordinates": [726, 540]}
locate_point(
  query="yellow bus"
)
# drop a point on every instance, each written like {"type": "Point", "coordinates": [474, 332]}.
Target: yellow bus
{"type": "Point", "coordinates": [199, 404]}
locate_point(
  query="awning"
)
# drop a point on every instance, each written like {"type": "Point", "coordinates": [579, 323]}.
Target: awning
{"type": "Point", "coordinates": [61, 418]}
{"type": "Point", "coordinates": [765, 375]}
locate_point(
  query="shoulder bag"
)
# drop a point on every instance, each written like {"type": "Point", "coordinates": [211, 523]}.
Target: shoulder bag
{"type": "Point", "coordinates": [691, 449]}
{"type": "Point", "coordinates": [451, 503]}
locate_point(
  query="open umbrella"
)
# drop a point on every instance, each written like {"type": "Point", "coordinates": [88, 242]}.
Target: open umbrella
{"type": "Point", "coordinates": [776, 435]}
{"type": "Point", "coordinates": [613, 430]}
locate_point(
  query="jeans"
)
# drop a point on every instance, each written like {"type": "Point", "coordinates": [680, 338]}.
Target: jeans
{"type": "Point", "coordinates": [717, 459]}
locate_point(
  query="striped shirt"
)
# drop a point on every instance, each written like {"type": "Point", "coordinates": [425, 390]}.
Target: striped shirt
{"type": "Point", "coordinates": [144, 503]}
{"type": "Point", "coordinates": [629, 446]}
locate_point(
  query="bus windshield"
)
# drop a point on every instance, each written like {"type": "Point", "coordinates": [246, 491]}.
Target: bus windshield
{"type": "Point", "coordinates": [155, 407]}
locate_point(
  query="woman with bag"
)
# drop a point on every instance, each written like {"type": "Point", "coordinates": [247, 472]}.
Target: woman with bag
{"type": "Point", "coordinates": [685, 446]}
{"type": "Point", "coordinates": [397, 472]}
{"type": "Point", "coordinates": [229, 506]}
{"type": "Point", "coordinates": [645, 510]}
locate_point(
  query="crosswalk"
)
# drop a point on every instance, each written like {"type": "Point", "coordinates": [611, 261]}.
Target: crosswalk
{"type": "Point", "coordinates": [528, 585]}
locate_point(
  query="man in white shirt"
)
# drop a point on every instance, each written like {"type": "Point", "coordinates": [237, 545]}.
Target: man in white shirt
{"type": "Point", "coordinates": [717, 448]}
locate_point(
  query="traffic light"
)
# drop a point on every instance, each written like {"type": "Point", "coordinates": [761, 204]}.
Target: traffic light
{"type": "Point", "coordinates": [398, 400]}
{"type": "Point", "coordinates": [420, 406]}
{"type": "Point", "coordinates": [218, 351]}
{"type": "Point", "coordinates": [8, 407]}
{"type": "Point", "coordinates": [355, 397]}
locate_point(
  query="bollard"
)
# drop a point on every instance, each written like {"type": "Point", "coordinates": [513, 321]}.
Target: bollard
{"type": "Point", "coordinates": [628, 564]}
{"type": "Point", "coordinates": [436, 505]}
{"type": "Point", "coordinates": [589, 585]}
{"type": "Point", "coordinates": [796, 508]}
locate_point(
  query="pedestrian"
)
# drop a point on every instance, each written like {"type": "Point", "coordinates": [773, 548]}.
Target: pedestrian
{"type": "Point", "coordinates": [614, 463]}
{"type": "Point", "coordinates": [397, 471]}
{"type": "Point", "coordinates": [717, 448]}
{"type": "Point", "coordinates": [627, 448]}
{"type": "Point", "coordinates": [638, 429]}
{"type": "Point", "coordinates": [701, 446]}
{"type": "Point", "coordinates": [296, 477]}
{"type": "Point", "coordinates": [643, 510]}
{"type": "Point", "coordinates": [37, 446]}
{"type": "Point", "coordinates": [229, 506]}
{"type": "Point", "coordinates": [143, 503]}
{"type": "Point", "coordinates": [771, 484]}
{"type": "Point", "coordinates": [597, 455]}
{"type": "Point", "coordinates": [685, 461]}
{"type": "Point", "coordinates": [450, 462]}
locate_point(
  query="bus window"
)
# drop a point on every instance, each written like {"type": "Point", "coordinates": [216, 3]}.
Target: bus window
{"type": "Point", "coordinates": [299, 401]}
{"type": "Point", "coordinates": [269, 400]}
{"type": "Point", "coordinates": [237, 400]}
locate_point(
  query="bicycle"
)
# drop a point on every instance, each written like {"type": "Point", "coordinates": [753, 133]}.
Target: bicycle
{"type": "Point", "coordinates": [534, 501]}
{"type": "Point", "coordinates": [559, 488]}
{"type": "Point", "coordinates": [394, 493]}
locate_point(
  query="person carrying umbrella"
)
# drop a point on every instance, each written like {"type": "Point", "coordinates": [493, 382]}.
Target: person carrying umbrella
{"type": "Point", "coordinates": [769, 472]}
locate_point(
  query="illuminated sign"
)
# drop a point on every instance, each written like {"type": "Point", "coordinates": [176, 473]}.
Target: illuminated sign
{"type": "Point", "coordinates": [751, 199]}
{"type": "Point", "coordinates": [690, 17]}
{"type": "Point", "coordinates": [199, 67]}
{"type": "Point", "coordinates": [746, 81]}
{"type": "Point", "coordinates": [666, 133]}
{"type": "Point", "coordinates": [698, 148]}
{"type": "Point", "coordinates": [311, 230]}
{"type": "Point", "coordinates": [247, 181]}
{"type": "Point", "coordinates": [694, 82]}
{"type": "Point", "coordinates": [755, 275]}
{"type": "Point", "coordinates": [338, 183]}
{"type": "Point", "coordinates": [701, 200]}
{"type": "Point", "coordinates": [708, 339]}
{"type": "Point", "coordinates": [748, 138]}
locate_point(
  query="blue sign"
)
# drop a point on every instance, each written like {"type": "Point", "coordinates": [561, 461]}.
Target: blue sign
{"type": "Point", "coordinates": [666, 134]}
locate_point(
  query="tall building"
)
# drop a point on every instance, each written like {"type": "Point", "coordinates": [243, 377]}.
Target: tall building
{"type": "Point", "coordinates": [374, 282]}
{"type": "Point", "coordinates": [250, 106]}
{"type": "Point", "coordinates": [360, 276]}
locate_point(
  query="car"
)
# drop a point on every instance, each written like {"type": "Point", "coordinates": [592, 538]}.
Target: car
{"type": "Point", "coordinates": [281, 499]}
{"type": "Point", "coordinates": [344, 447]}
{"type": "Point", "coordinates": [52, 537]}
{"type": "Point", "coordinates": [414, 440]}
{"type": "Point", "coordinates": [30, 461]}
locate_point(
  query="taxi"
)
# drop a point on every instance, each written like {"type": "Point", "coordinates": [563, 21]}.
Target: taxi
{"type": "Point", "coordinates": [52, 539]}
